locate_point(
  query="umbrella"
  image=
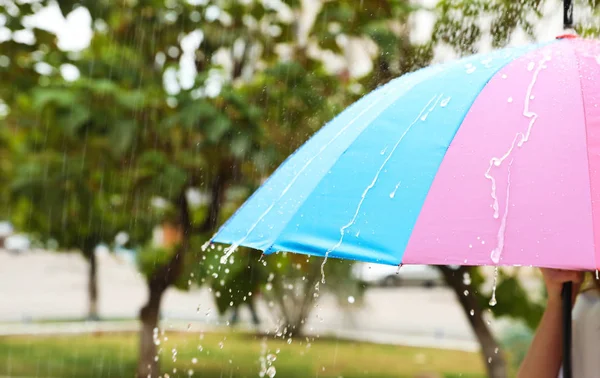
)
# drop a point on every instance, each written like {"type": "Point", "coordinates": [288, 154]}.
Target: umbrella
{"type": "Point", "coordinates": [493, 159]}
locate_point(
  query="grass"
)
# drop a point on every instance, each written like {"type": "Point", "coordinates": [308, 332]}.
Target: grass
{"type": "Point", "coordinates": [224, 355]}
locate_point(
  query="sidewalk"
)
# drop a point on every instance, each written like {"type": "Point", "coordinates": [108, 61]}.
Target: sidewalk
{"type": "Point", "coordinates": [46, 286]}
{"type": "Point", "coordinates": [79, 328]}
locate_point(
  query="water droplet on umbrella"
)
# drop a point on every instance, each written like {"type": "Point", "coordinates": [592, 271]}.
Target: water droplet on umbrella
{"type": "Point", "coordinates": [510, 99]}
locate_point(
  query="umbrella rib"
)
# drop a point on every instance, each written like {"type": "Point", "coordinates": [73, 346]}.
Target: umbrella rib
{"type": "Point", "coordinates": [229, 250]}
{"type": "Point", "coordinates": [594, 216]}
{"type": "Point", "coordinates": [423, 114]}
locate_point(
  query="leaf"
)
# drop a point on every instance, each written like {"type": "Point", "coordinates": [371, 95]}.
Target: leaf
{"type": "Point", "coordinates": [58, 96]}
{"type": "Point", "coordinates": [217, 128]}
{"type": "Point", "coordinates": [75, 119]}
{"type": "Point", "coordinates": [240, 145]}
{"type": "Point", "coordinates": [122, 135]}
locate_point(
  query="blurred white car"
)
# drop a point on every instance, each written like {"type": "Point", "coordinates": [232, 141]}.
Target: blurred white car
{"type": "Point", "coordinates": [17, 243]}
{"type": "Point", "coordinates": [408, 275]}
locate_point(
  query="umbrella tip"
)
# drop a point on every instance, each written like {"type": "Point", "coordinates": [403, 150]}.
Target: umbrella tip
{"type": "Point", "coordinates": [567, 36]}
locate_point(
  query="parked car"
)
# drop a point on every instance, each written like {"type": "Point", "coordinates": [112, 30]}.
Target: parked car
{"type": "Point", "coordinates": [17, 243]}
{"type": "Point", "coordinates": [391, 276]}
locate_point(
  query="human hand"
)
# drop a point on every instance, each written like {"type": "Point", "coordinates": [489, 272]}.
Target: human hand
{"type": "Point", "coordinates": [554, 280]}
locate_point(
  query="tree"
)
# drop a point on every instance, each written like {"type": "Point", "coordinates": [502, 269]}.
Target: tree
{"type": "Point", "coordinates": [63, 183]}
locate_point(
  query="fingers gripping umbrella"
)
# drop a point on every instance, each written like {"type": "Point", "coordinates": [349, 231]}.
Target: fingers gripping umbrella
{"type": "Point", "coordinates": [489, 160]}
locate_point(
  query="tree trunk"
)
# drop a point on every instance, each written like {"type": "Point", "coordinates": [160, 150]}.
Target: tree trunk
{"type": "Point", "coordinates": [147, 364]}
{"type": "Point", "coordinates": [92, 285]}
{"type": "Point", "coordinates": [493, 358]}
{"type": "Point", "coordinates": [167, 275]}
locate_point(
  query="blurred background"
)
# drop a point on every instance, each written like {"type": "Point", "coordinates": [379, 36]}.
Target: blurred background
{"type": "Point", "coordinates": [130, 130]}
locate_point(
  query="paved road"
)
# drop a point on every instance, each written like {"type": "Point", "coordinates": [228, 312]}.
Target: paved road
{"type": "Point", "coordinates": [43, 285]}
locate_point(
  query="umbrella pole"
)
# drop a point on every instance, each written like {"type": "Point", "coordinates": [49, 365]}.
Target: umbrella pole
{"type": "Point", "coordinates": [568, 14]}
{"type": "Point", "coordinates": [567, 303]}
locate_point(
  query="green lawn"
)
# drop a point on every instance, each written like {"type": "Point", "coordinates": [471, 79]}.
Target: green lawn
{"type": "Point", "coordinates": [225, 354]}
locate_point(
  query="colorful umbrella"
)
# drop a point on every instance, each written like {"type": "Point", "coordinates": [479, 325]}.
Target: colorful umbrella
{"type": "Point", "coordinates": [489, 160]}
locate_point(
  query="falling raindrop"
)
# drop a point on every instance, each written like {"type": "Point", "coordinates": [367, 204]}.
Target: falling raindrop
{"type": "Point", "coordinates": [466, 278]}
{"type": "Point", "coordinates": [472, 312]}
{"type": "Point", "coordinates": [351, 299]}
{"type": "Point", "coordinates": [493, 301]}
{"type": "Point", "coordinates": [466, 293]}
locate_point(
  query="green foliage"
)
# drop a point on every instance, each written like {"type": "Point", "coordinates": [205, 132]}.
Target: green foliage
{"type": "Point", "coordinates": [513, 301]}
{"type": "Point", "coordinates": [518, 304]}
{"type": "Point", "coordinates": [376, 19]}
{"type": "Point", "coordinates": [150, 257]}
{"type": "Point", "coordinates": [457, 21]}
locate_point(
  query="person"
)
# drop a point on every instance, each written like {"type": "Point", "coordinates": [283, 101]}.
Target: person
{"type": "Point", "coordinates": [544, 357]}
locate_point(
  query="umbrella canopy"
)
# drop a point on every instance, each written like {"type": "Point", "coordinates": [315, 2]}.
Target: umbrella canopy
{"type": "Point", "coordinates": [489, 160]}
